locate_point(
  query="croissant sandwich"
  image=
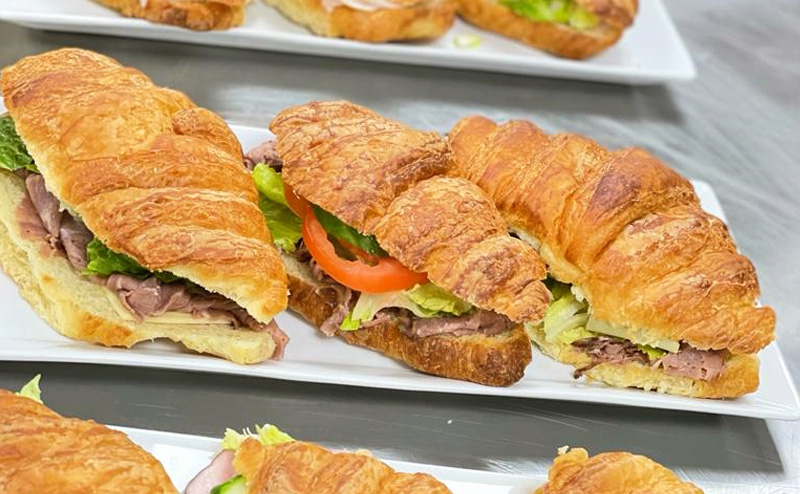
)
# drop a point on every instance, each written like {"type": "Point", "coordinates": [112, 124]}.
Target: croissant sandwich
{"type": "Point", "coordinates": [386, 253]}
{"type": "Point", "coordinates": [200, 15]}
{"type": "Point", "coordinates": [271, 461]}
{"type": "Point", "coordinates": [126, 214]}
{"type": "Point", "coordinates": [575, 29]}
{"type": "Point", "coordinates": [43, 452]}
{"type": "Point", "coordinates": [574, 472]}
{"type": "Point", "coordinates": [649, 290]}
{"type": "Point", "coordinates": [371, 20]}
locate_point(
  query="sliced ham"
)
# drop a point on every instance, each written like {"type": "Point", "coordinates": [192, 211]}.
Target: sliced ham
{"type": "Point", "coordinates": [218, 471]}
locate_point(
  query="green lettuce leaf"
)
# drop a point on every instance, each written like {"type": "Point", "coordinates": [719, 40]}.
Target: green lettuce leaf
{"type": "Point", "coordinates": [31, 390]}
{"type": "Point", "coordinates": [13, 153]}
{"type": "Point", "coordinates": [567, 12]}
{"type": "Point", "coordinates": [564, 314]}
{"type": "Point", "coordinates": [437, 300]}
{"type": "Point", "coordinates": [104, 262]}
{"type": "Point", "coordinates": [270, 183]}
{"type": "Point", "coordinates": [267, 435]}
{"type": "Point", "coordinates": [567, 320]}
{"type": "Point", "coordinates": [652, 352]}
{"type": "Point", "coordinates": [426, 300]}
{"type": "Point", "coordinates": [285, 226]}
{"type": "Point", "coordinates": [342, 231]}
{"type": "Point", "coordinates": [572, 335]}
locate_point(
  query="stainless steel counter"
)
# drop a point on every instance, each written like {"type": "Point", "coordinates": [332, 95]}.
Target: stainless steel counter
{"type": "Point", "coordinates": [737, 126]}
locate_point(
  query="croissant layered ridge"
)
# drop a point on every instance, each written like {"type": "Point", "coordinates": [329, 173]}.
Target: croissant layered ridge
{"type": "Point", "coordinates": [150, 174]}
{"type": "Point", "coordinates": [299, 467]}
{"type": "Point", "coordinates": [575, 472]}
{"type": "Point", "coordinates": [386, 179]}
{"type": "Point", "coordinates": [45, 452]}
{"type": "Point", "coordinates": [624, 228]}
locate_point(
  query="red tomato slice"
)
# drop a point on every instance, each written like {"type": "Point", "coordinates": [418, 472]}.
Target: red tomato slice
{"type": "Point", "coordinates": [387, 275]}
{"type": "Point", "coordinates": [297, 204]}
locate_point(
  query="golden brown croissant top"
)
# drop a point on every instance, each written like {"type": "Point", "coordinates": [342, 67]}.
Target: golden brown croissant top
{"type": "Point", "coordinates": [618, 13]}
{"type": "Point", "coordinates": [200, 15]}
{"type": "Point", "coordinates": [622, 226]}
{"type": "Point", "coordinates": [304, 468]}
{"type": "Point", "coordinates": [611, 473]}
{"type": "Point", "coordinates": [152, 175]}
{"type": "Point", "coordinates": [43, 452]}
{"type": "Point", "coordinates": [380, 177]}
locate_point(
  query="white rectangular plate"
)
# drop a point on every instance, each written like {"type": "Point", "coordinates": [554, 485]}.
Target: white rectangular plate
{"type": "Point", "coordinates": [315, 358]}
{"type": "Point", "coordinates": [184, 455]}
{"type": "Point", "coordinates": [650, 52]}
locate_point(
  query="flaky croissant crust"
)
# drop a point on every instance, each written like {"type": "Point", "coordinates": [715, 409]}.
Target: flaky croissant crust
{"type": "Point", "coordinates": [611, 473]}
{"type": "Point", "coordinates": [381, 177]}
{"type": "Point", "coordinates": [304, 468]}
{"type": "Point", "coordinates": [43, 452]}
{"type": "Point", "coordinates": [622, 226]}
{"type": "Point", "coordinates": [200, 15]}
{"type": "Point", "coordinates": [151, 174]}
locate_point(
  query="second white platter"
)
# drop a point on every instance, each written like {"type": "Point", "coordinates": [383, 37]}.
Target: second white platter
{"type": "Point", "coordinates": [651, 51]}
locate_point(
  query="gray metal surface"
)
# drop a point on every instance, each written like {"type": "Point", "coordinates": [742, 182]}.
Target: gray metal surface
{"type": "Point", "coordinates": [737, 126]}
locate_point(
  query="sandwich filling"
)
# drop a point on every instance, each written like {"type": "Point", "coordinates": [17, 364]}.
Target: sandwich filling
{"type": "Point", "coordinates": [369, 286]}
{"type": "Point", "coordinates": [144, 294]}
{"type": "Point", "coordinates": [568, 322]}
{"type": "Point", "coordinates": [566, 12]}
{"type": "Point", "coordinates": [220, 477]}
{"type": "Point", "coordinates": [369, 5]}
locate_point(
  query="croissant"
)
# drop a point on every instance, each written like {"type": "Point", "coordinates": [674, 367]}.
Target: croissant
{"type": "Point", "coordinates": [573, 472]}
{"type": "Point", "coordinates": [305, 468]}
{"type": "Point", "coordinates": [376, 21]}
{"type": "Point", "coordinates": [384, 179]}
{"type": "Point", "coordinates": [588, 28]}
{"type": "Point", "coordinates": [44, 452]}
{"type": "Point", "coordinates": [153, 177]}
{"type": "Point", "coordinates": [200, 15]}
{"type": "Point", "coordinates": [629, 235]}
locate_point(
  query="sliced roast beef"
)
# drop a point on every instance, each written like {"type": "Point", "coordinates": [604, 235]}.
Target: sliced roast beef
{"type": "Point", "coordinates": [691, 362]}
{"type": "Point", "coordinates": [46, 204]}
{"type": "Point", "coordinates": [340, 296]}
{"type": "Point", "coordinates": [150, 297]}
{"type": "Point", "coordinates": [30, 224]}
{"type": "Point", "coordinates": [483, 321]}
{"type": "Point", "coordinates": [687, 362]}
{"type": "Point", "coordinates": [39, 217]}
{"type": "Point", "coordinates": [344, 302]}
{"type": "Point", "coordinates": [263, 153]}
{"type": "Point", "coordinates": [74, 238]}
{"type": "Point", "coordinates": [605, 349]}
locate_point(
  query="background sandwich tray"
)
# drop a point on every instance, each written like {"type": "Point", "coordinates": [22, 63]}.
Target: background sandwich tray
{"type": "Point", "coordinates": [184, 455]}
{"type": "Point", "coordinates": [313, 357]}
{"type": "Point", "coordinates": [651, 51]}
